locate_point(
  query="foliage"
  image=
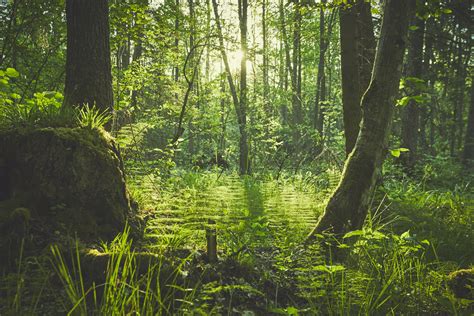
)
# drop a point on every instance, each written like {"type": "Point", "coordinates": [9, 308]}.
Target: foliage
{"type": "Point", "coordinates": [91, 117]}
{"type": "Point", "coordinates": [44, 109]}
{"type": "Point", "coordinates": [421, 229]}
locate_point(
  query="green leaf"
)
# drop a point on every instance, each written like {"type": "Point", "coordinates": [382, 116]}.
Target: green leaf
{"type": "Point", "coordinates": [403, 101]}
{"type": "Point", "coordinates": [12, 73]}
{"type": "Point", "coordinates": [15, 96]}
{"type": "Point", "coordinates": [425, 242]}
{"type": "Point", "coordinates": [321, 268]}
{"type": "Point", "coordinates": [336, 268]}
{"type": "Point", "coordinates": [395, 153]}
{"type": "Point", "coordinates": [354, 233]}
{"type": "Point", "coordinates": [405, 235]}
{"type": "Point", "coordinates": [292, 310]}
{"type": "Point", "coordinates": [343, 246]}
{"type": "Point", "coordinates": [413, 28]}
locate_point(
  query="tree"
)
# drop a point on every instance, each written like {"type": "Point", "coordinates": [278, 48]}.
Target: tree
{"type": "Point", "coordinates": [88, 67]}
{"type": "Point", "coordinates": [468, 154]}
{"type": "Point", "coordinates": [239, 105]}
{"type": "Point", "coordinates": [266, 102]}
{"type": "Point", "coordinates": [244, 163]}
{"type": "Point", "coordinates": [296, 101]}
{"type": "Point", "coordinates": [321, 79]}
{"type": "Point", "coordinates": [410, 115]}
{"type": "Point", "coordinates": [357, 56]}
{"type": "Point", "coordinates": [348, 206]}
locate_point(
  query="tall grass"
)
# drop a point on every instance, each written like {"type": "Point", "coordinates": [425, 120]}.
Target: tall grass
{"type": "Point", "coordinates": [129, 288]}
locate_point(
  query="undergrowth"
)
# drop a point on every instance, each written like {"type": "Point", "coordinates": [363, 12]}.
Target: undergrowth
{"type": "Point", "coordinates": [398, 264]}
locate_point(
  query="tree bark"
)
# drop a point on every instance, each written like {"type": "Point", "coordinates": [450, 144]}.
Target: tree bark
{"type": "Point", "coordinates": [88, 68]}
{"type": "Point", "coordinates": [348, 206]}
{"type": "Point", "coordinates": [410, 114]}
{"type": "Point", "coordinates": [357, 56]}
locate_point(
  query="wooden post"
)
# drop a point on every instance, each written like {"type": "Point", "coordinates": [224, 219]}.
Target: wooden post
{"type": "Point", "coordinates": [3, 180]}
{"type": "Point", "coordinates": [211, 236]}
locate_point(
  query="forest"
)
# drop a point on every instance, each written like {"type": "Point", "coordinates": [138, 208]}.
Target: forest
{"type": "Point", "coordinates": [236, 157]}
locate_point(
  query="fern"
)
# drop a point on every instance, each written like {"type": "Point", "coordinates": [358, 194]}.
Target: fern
{"type": "Point", "coordinates": [91, 117]}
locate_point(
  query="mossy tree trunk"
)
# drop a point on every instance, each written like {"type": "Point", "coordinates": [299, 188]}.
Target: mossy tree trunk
{"type": "Point", "coordinates": [88, 68]}
{"type": "Point", "coordinates": [348, 206]}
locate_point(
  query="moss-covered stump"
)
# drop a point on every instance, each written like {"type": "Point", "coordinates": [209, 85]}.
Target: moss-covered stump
{"type": "Point", "coordinates": [61, 181]}
{"type": "Point", "coordinates": [461, 283]}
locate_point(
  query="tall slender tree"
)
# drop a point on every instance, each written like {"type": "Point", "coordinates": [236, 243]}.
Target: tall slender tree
{"type": "Point", "coordinates": [321, 79]}
{"type": "Point", "coordinates": [266, 103]}
{"type": "Point", "coordinates": [296, 99]}
{"type": "Point", "coordinates": [244, 162]}
{"type": "Point", "coordinates": [240, 104]}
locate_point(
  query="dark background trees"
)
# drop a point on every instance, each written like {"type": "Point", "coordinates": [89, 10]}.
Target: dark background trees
{"type": "Point", "coordinates": [299, 93]}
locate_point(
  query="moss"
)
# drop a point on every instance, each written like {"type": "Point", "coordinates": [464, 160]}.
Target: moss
{"type": "Point", "coordinates": [70, 180]}
{"type": "Point", "coordinates": [461, 283]}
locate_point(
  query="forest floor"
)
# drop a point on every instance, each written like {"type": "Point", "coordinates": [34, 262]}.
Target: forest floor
{"type": "Point", "coordinates": [417, 233]}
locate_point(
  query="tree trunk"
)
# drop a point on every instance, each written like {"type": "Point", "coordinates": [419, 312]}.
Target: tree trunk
{"type": "Point", "coordinates": [426, 113]}
{"type": "Point", "coordinates": [410, 114]}
{"type": "Point", "coordinates": [296, 74]}
{"type": "Point", "coordinates": [244, 167]}
{"type": "Point", "coordinates": [357, 55]}
{"type": "Point", "coordinates": [176, 40]}
{"type": "Point", "coordinates": [266, 103]}
{"type": "Point", "coordinates": [285, 61]}
{"type": "Point", "coordinates": [88, 69]}
{"type": "Point", "coordinates": [320, 81]}
{"type": "Point", "coordinates": [137, 54]}
{"type": "Point", "coordinates": [348, 206]}
{"type": "Point", "coordinates": [468, 154]}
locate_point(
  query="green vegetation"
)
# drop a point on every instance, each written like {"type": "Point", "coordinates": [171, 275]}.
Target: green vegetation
{"type": "Point", "coordinates": [398, 263]}
{"type": "Point", "coordinates": [236, 157]}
